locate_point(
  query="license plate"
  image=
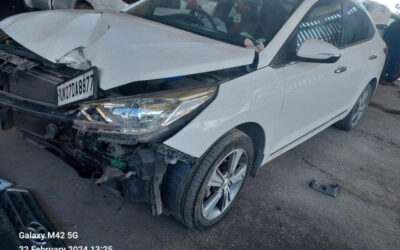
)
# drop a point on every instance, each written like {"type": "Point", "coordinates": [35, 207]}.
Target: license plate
{"type": "Point", "coordinates": [77, 89]}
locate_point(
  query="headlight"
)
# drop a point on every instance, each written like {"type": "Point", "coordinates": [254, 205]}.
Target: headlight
{"type": "Point", "coordinates": [75, 59]}
{"type": "Point", "coordinates": [140, 115]}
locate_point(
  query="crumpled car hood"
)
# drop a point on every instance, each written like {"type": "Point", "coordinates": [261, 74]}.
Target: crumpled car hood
{"type": "Point", "coordinates": [123, 47]}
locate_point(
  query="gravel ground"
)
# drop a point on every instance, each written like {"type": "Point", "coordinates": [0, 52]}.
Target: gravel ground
{"type": "Point", "coordinates": [275, 210]}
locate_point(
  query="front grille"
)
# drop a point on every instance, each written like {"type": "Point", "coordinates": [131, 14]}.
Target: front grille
{"type": "Point", "coordinates": [20, 212]}
{"type": "Point", "coordinates": [35, 85]}
{"type": "Point", "coordinates": [28, 75]}
{"type": "Point", "coordinates": [25, 78]}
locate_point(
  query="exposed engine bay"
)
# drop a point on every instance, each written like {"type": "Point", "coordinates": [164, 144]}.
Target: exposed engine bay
{"type": "Point", "coordinates": [130, 163]}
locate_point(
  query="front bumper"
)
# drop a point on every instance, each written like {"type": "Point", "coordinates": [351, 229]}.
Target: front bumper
{"type": "Point", "coordinates": [36, 108]}
{"type": "Point", "coordinates": [131, 169]}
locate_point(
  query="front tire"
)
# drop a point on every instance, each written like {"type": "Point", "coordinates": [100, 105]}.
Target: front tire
{"type": "Point", "coordinates": [218, 181]}
{"type": "Point", "coordinates": [353, 118]}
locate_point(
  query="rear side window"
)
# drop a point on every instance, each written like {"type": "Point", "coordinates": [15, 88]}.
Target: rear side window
{"type": "Point", "coordinates": [357, 25]}
{"type": "Point", "coordinates": [324, 22]}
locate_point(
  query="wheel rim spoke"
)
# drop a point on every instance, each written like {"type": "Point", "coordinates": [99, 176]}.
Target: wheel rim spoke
{"type": "Point", "coordinates": [234, 161]}
{"type": "Point", "coordinates": [217, 179]}
{"type": "Point", "coordinates": [356, 115]}
{"type": "Point", "coordinates": [211, 203]}
{"type": "Point", "coordinates": [226, 199]}
{"type": "Point", "coordinates": [239, 175]}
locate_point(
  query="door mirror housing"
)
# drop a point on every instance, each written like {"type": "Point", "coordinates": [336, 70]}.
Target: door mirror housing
{"type": "Point", "coordinates": [314, 50]}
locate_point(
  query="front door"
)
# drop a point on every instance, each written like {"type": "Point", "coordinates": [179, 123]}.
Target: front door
{"type": "Point", "coordinates": [312, 90]}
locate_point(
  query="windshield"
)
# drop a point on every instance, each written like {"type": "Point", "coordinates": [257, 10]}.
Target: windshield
{"type": "Point", "coordinates": [248, 23]}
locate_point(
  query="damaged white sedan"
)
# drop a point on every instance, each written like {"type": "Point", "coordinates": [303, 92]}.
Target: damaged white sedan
{"type": "Point", "coordinates": [176, 103]}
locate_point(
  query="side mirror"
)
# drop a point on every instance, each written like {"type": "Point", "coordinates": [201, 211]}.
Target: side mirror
{"type": "Point", "coordinates": [314, 50]}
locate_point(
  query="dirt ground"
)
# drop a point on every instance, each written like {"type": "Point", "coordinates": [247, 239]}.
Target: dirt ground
{"type": "Point", "coordinates": [275, 210]}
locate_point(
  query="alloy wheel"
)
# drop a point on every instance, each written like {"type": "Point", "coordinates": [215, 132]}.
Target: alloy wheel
{"type": "Point", "coordinates": [224, 184]}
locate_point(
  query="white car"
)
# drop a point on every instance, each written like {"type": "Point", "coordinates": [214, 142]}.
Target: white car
{"type": "Point", "coordinates": [78, 4]}
{"type": "Point", "coordinates": [176, 103]}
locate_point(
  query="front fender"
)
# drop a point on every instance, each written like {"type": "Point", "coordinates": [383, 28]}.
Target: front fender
{"type": "Point", "coordinates": [255, 97]}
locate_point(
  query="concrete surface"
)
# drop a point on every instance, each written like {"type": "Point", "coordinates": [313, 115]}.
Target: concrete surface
{"type": "Point", "coordinates": [275, 210]}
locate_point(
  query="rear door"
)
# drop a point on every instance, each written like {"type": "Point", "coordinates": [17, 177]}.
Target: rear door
{"type": "Point", "coordinates": [313, 91]}
{"type": "Point", "coordinates": [360, 55]}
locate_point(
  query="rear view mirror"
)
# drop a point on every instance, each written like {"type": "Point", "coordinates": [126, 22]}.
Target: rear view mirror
{"type": "Point", "coordinates": [314, 50]}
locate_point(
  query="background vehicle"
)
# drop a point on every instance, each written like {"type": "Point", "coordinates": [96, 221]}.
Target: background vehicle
{"type": "Point", "coordinates": [78, 4]}
{"type": "Point", "coordinates": [176, 105]}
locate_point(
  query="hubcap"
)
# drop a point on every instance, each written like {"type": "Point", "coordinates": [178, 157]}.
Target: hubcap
{"type": "Point", "coordinates": [360, 106]}
{"type": "Point", "coordinates": [224, 184]}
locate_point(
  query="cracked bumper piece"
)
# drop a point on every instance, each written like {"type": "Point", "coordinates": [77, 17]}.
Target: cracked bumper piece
{"type": "Point", "coordinates": [20, 213]}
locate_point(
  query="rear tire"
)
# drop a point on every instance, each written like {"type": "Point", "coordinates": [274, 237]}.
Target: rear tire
{"type": "Point", "coordinates": [202, 196]}
{"type": "Point", "coordinates": [353, 118]}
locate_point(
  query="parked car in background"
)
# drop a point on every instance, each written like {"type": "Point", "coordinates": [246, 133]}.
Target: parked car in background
{"type": "Point", "coordinates": [176, 103]}
{"type": "Point", "coordinates": [78, 4]}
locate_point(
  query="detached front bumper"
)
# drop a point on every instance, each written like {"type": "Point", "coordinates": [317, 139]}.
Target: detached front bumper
{"type": "Point", "coordinates": [131, 169]}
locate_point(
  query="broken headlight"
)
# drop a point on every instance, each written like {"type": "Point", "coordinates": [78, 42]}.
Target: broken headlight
{"type": "Point", "coordinates": [145, 114]}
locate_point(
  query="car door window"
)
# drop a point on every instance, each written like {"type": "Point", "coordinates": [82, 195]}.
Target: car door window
{"type": "Point", "coordinates": [358, 26]}
{"type": "Point", "coordinates": [324, 22]}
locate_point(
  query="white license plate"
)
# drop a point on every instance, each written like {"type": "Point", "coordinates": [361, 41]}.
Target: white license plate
{"type": "Point", "coordinates": [79, 88]}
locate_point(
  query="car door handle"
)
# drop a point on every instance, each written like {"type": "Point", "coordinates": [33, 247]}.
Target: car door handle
{"type": "Point", "coordinates": [373, 57]}
{"type": "Point", "coordinates": [340, 69]}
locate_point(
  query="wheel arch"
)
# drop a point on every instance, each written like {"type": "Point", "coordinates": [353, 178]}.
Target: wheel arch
{"type": "Point", "coordinates": [257, 135]}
